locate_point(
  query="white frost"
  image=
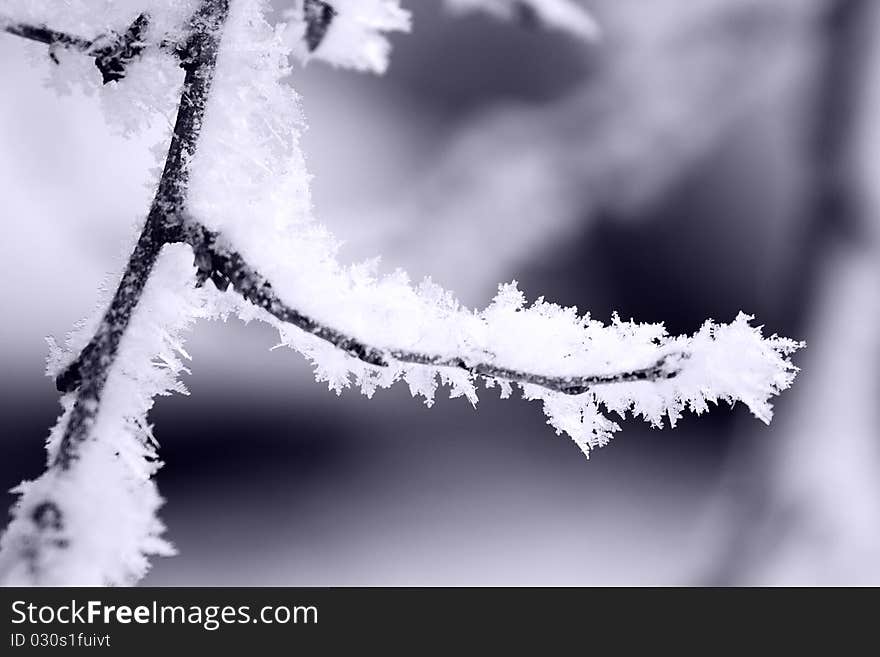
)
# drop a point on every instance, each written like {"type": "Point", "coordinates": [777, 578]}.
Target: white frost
{"type": "Point", "coordinates": [356, 37]}
{"type": "Point", "coordinates": [564, 15]}
{"type": "Point", "coordinates": [108, 500]}
{"type": "Point", "coordinates": [249, 182]}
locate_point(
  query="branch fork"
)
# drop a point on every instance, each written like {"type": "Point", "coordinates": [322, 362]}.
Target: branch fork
{"type": "Point", "coordinates": [168, 222]}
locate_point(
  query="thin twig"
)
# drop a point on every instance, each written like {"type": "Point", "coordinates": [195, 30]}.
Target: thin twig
{"type": "Point", "coordinates": [112, 52]}
{"type": "Point", "coordinates": [92, 366]}
{"type": "Point", "coordinates": [89, 370]}
{"type": "Point", "coordinates": [226, 266]}
{"type": "Point", "coordinates": [43, 34]}
{"type": "Point", "coordinates": [845, 35]}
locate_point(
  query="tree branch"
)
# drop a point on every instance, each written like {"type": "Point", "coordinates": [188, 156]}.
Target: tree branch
{"type": "Point", "coordinates": [90, 369]}
{"type": "Point", "coordinates": [112, 52]}
{"type": "Point", "coordinates": [164, 224]}
{"type": "Point", "coordinates": [226, 266]}
{"type": "Point", "coordinates": [168, 222]}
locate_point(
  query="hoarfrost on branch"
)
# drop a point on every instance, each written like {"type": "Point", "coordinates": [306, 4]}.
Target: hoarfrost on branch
{"type": "Point", "coordinates": [231, 231]}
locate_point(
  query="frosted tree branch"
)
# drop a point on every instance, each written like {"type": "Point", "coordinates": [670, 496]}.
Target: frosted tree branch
{"type": "Point", "coordinates": [89, 370]}
{"type": "Point", "coordinates": [112, 52]}
{"type": "Point", "coordinates": [567, 361]}
{"type": "Point", "coordinates": [224, 266]}
{"type": "Point", "coordinates": [43, 34]}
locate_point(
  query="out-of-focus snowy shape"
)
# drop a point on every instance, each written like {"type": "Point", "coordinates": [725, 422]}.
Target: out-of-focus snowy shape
{"type": "Point", "coordinates": [356, 33]}
{"type": "Point", "coordinates": [804, 508]}
{"type": "Point", "coordinates": [806, 505]}
{"type": "Point", "coordinates": [249, 183]}
{"type": "Point", "coordinates": [563, 15]}
{"type": "Point", "coordinates": [671, 79]}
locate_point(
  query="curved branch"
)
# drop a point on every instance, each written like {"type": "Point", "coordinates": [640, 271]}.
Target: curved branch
{"type": "Point", "coordinates": [226, 266]}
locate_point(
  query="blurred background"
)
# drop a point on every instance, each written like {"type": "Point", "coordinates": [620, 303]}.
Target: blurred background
{"type": "Point", "coordinates": [703, 157]}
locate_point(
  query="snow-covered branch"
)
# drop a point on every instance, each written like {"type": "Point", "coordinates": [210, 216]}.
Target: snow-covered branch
{"type": "Point", "coordinates": [345, 33]}
{"type": "Point", "coordinates": [43, 34]}
{"type": "Point", "coordinates": [42, 526]}
{"type": "Point", "coordinates": [564, 15]}
{"type": "Point", "coordinates": [112, 52]}
{"type": "Point", "coordinates": [91, 367]}
{"type": "Point", "coordinates": [234, 188]}
{"type": "Point", "coordinates": [224, 265]}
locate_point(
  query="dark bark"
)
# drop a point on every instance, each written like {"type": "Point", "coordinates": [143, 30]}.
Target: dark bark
{"type": "Point", "coordinates": [216, 260]}
{"type": "Point", "coordinates": [45, 35]}
{"type": "Point", "coordinates": [169, 222]}
{"type": "Point", "coordinates": [224, 266]}
{"type": "Point", "coordinates": [93, 365]}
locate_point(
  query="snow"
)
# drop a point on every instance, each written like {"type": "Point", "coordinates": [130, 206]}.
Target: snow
{"type": "Point", "coordinates": [356, 37]}
{"type": "Point", "coordinates": [108, 500]}
{"type": "Point", "coordinates": [92, 18]}
{"type": "Point", "coordinates": [249, 183]}
{"type": "Point", "coordinates": [563, 15]}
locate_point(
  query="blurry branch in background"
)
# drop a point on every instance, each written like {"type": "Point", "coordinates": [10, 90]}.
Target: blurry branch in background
{"type": "Point", "coordinates": [46, 529]}
{"type": "Point", "coordinates": [668, 82]}
{"type": "Point", "coordinates": [44, 35]}
{"type": "Point", "coordinates": [225, 266]}
{"type": "Point", "coordinates": [344, 33]}
{"type": "Point", "coordinates": [804, 507]}
{"type": "Point", "coordinates": [322, 29]}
